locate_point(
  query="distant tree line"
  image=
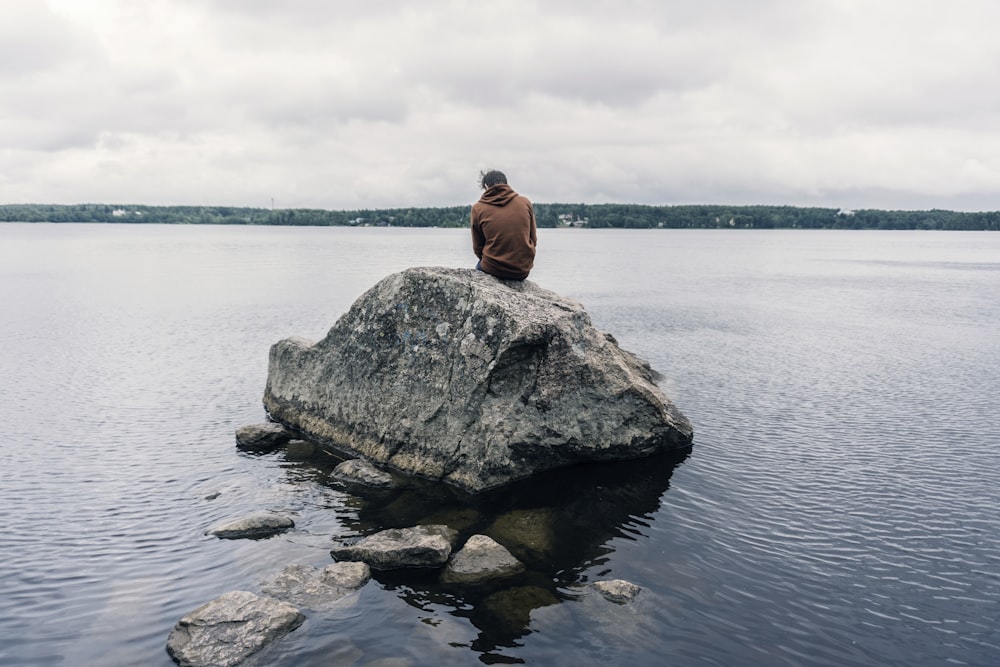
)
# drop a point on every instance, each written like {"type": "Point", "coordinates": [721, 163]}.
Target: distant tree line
{"type": "Point", "coordinates": [619, 216]}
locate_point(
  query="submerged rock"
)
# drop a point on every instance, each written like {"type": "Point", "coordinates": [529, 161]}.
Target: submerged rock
{"type": "Point", "coordinates": [299, 450]}
{"type": "Point", "coordinates": [315, 588]}
{"type": "Point", "coordinates": [253, 526]}
{"type": "Point", "coordinates": [511, 607]}
{"type": "Point", "coordinates": [359, 471]}
{"type": "Point", "coordinates": [454, 375]}
{"type": "Point", "coordinates": [422, 546]}
{"type": "Point", "coordinates": [481, 559]}
{"type": "Point", "coordinates": [229, 629]}
{"type": "Point", "coordinates": [529, 534]}
{"type": "Point", "coordinates": [617, 590]}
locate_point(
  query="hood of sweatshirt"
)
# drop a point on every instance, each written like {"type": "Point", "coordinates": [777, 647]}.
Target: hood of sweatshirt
{"type": "Point", "coordinates": [498, 195]}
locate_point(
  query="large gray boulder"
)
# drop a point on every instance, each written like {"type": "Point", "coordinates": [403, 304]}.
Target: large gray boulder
{"type": "Point", "coordinates": [455, 375]}
{"type": "Point", "coordinates": [229, 629]}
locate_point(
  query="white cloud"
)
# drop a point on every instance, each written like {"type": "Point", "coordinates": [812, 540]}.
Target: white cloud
{"type": "Point", "coordinates": [345, 104]}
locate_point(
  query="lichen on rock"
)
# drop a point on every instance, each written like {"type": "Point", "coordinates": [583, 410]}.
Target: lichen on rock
{"type": "Point", "coordinates": [457, 376]}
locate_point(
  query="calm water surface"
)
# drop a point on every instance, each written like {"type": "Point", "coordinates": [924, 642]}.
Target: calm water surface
{"type": "Point", "coordinates": [839, 506]}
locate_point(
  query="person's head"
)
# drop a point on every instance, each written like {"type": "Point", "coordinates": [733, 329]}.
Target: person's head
{"type": "Point", "coordinates": [487, 179]}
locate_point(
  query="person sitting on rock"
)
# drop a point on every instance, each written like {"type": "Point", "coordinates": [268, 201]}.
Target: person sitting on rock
{"type": "Point", "coordinates": [504, 235]}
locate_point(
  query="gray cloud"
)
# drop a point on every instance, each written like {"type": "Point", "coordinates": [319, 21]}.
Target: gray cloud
{"type": "Point", "coordinates": [342, 105]}
{"type": "Point", "coordinates": [34, 40]}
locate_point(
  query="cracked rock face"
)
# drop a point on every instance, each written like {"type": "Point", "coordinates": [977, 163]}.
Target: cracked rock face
{"type": "Point", "coordinates": [230, 628]}
{"type": "Point", "coordinates": [454, 375]}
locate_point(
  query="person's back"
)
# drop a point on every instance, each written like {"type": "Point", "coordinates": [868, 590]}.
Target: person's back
{"type": "Point", "coordinates": [504, 234]}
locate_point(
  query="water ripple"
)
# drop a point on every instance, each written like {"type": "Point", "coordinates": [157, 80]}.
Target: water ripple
{"type": "Point", "coordinates": [838, 508]}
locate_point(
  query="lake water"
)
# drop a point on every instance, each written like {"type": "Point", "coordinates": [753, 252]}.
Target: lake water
{"type": "Point", "coordinates": [839, 506]}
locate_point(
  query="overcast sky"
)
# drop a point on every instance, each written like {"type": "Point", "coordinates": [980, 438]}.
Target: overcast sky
{"type": "Point", "coordinates": [345, 104]}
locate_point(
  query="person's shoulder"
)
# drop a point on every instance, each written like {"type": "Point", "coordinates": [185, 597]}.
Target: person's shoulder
{"type": "Point", "coordinates": [478, 210]}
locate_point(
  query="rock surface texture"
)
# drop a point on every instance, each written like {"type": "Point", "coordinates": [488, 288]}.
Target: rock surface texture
{"type": "Point", "coordinates": [313, 588]}
{"type": "Point", "coordinates": [455, 375]}
{"type": "Point", "coordinates": [421, 546]}
{"type": "Point", "coordinates": [481, 559]}
{"type": "Point", "coordinates": [262, 437]}
{"type": "Point", "coordinates": [229, 629]}
{"type": "Point", "coordinates": [256, 525]}
{"type": "Point", "coordinates": [617, 590]}
{"type": "Point", "coordinates": [359, 471]}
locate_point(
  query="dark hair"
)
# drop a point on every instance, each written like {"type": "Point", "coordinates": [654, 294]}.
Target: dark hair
{"type": "Point", "coordinates": [487, 179]}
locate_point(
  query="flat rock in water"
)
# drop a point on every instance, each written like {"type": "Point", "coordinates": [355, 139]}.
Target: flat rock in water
{"type": "Point", "coordinates": [481, 559]}
{"type": "Point", "coordinates": [422, 546]}
{"type": "Point", "coordinates": [253, 526]}
{"type": "Point", "coordinates": [315, 588]}
{"type": "Point", "coordinates": [229, 629]}
{"type": "Point", "coordinates": [262, 437]}
{"type": "Point", "coordinates": [617, 590]}
{"type": "Point", "coordinates": [454, 375]}
{"type": "Point", "coordinates": [359, 471]}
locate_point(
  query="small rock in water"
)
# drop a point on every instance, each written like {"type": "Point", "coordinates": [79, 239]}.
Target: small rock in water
{"type": "Point", "coordinates": [422, 546]}
{"type": "Point", "coordinates": [479, 560]}
{"type": "Point", "coordinates": [362, 472]}
{"type": "Point", "coordinates": [313, 588]}
{"type": "Point", "coordinates": [262, 437]}
{"type": "Point", "coordinates": [299, 450]}
{"type": "Point", "coordinates": [229, 629]}
{"type": "Point", "coordinates": [346, 575]}
{"type": "Point", "coordinates": [253, 526]}
{"type": "Point", "coordinates": [617, 590]}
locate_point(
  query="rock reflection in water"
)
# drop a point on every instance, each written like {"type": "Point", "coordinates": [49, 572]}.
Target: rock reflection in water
{"type": "Point", "coordinates": [559, 524]}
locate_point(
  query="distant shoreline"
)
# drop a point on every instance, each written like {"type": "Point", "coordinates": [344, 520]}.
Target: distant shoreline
{"type": "Point", "coordinates": [592, 216]}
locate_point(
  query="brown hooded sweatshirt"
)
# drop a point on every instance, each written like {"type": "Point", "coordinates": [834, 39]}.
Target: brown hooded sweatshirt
{"type": "Point", "coordinates": [504, 233]}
